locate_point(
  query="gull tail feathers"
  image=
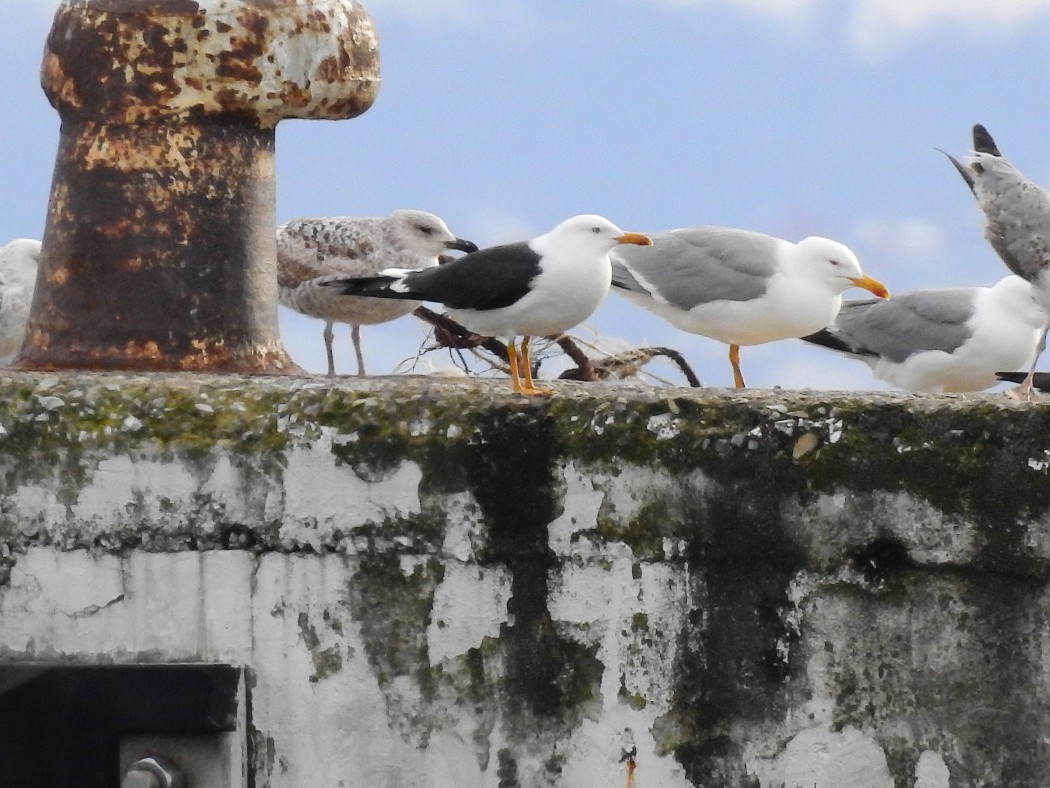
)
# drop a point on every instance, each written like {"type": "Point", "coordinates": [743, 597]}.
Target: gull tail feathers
{"type": "Point", "coordinates": [983, 142]}
{"type": "Point", "coordinates": [387, 285]}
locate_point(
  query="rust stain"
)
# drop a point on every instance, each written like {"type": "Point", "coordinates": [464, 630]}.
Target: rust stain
{"type": "Point", "coordinates": [58, 276]}
{"type": "Point", "coordinates": [328, 70]}
{"type": "Point", "coordinates": [231, 66]}
{"type": "Point", "coordinates": [148, 7]}
{"type": "Point", "coordinates": [165, 166]}
{"type": "Point", "coordinates": [133, 67]}
{"type": "Point", "coordinates": [144, 350]}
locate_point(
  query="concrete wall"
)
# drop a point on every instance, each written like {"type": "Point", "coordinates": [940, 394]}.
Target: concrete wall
{"type": "Point", "coordinates": [437, 583]}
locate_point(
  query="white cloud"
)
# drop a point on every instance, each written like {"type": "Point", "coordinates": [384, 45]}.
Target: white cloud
{"type": "Point", "coordinates": [470, 12]}
{"type": "Point", "coordinates": [913, 238]}
{"type": "Point", "coordinates": [876, 25]}
{"type": "Point", "coordinates": [423, 10]}
{"type": "Point", "coordinates": [794, 10]}
{"type": "Point", "coordinates": [904, 253]}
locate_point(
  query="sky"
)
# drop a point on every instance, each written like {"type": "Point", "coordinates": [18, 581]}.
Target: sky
{"type": "Point", "coordinates": [791, 117]}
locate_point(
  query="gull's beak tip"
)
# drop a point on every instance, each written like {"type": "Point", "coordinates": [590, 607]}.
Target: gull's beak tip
{"type": "Point", "coordinates": [873, 286]}
{"type": "Point", "coordinates": [638, 239]}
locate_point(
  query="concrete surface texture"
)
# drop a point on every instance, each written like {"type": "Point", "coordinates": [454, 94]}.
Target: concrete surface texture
{"type": "Point", "coordinates": [439, 583]}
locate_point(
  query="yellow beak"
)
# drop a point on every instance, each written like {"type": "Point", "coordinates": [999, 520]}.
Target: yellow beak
{"type": "Point", "coordinates": [635, 238]}
{"type": "Point", "coordinates": [873, 285]}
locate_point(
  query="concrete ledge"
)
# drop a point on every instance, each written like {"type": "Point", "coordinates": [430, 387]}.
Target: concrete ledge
{"type": "Point", "coordinates": [436, 582]}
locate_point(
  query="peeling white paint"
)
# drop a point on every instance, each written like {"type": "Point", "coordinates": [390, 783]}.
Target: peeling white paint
{"type": "Point", "coordinates": [470, 604]}
{"type": "Point", "coordinates": [819, 758]}
{"type": "Point", "coordinates": [335, 709]}
{"type": "Point", "coordinates": [122, 480]}
{"type": "Point", "coordinates": [464, 529]}
{"type": "Point", "coordinates": [36, 505]}
{"type": "Point", "coordinates": [582, 500]}
{"type": "Point", "coordinates": [322, 495]}
{"type": "Point", "coordinates": [931, 771]}
{"type": "Point", "coordinates": [182, 605]}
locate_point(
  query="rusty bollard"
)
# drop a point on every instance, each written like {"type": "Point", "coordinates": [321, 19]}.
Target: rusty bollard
{"type": "Point", "coordinates": [159, 250]}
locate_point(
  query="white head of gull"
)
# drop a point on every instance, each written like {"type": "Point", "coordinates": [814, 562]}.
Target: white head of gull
{"type": "Point", "coordinates": [540, 287]}
{"type": "Point", "coordinates": [313, 250]}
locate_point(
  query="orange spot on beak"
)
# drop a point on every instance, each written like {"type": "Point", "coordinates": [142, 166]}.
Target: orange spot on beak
{"type": "Point", "coordinates": [872, 285]}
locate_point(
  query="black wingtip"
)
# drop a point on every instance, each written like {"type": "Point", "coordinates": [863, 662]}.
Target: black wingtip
{"type": "Point", "coordinates": [1041, 380]}
{"type": "Point", "coordinates": [1011, 377]}
{"type": "Point", "coordinates": [983, 142]}
{"type": "Point", "coordinates": [833, 341]}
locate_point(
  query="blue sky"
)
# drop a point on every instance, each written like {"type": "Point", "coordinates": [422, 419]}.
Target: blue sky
{"type": "Point", "coordinates": [793, 117]}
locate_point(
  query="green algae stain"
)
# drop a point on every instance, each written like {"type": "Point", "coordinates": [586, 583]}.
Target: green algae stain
{"type": "Point", "coordinates": [393, 605]}
{"type": "Point", "coordinates": [978, 461]}
{"type": "Point", "coordinates": [55, 431]}
{"type": "Point", "coordinates": [326, 661]}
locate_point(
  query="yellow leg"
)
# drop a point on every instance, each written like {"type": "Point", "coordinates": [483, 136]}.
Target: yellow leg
{"type": "Point", "coordinates": [526, 370]}
{"type": "Point", "coordinates": [734, 359]}
{"type": "Point", "coordinates": [512, 362]}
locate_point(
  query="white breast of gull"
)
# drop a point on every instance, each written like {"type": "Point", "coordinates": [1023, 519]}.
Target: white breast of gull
{"type": "Point", "coordinates": [313, 250]}
{"type": "Point", "coordinates": [18, 266]}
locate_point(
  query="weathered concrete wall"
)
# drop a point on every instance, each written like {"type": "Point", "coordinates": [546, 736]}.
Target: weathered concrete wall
{"type": "Point", "coordinates": [437, 583]}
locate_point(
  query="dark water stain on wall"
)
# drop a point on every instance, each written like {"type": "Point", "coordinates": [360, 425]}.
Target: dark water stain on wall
{"type": "Point", "coordinates": [512, 475]}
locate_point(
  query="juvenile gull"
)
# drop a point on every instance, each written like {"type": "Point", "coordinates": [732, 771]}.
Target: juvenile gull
{"type": "Point", "coordinates": [18, 264]}
{"type": "Point", "coordinates": [1017, 221]}
{"type": "Point", "coordinates": [943, 340]}
{"type": "Point", "coordinates": [536, 288]}
{"type": "Point", "coordinates": [739, 287]}
{"type": "Point", "coordinates": [312, 250]}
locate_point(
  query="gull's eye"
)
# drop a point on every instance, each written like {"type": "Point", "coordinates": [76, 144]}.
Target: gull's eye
{"type": "Point", "coordinates": [834, 263]}
{"type": "Point", "coordinates": [424, 229]}
{"type": "Point", "coordinates": [596, 230]}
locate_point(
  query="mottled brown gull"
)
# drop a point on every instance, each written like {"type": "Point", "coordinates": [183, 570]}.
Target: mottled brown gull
{"type": "Point", "coordinates": [311, 251]}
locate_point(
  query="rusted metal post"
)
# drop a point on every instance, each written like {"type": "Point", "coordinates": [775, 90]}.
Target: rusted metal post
{"type": "Point", "coordinates": [159, 250]}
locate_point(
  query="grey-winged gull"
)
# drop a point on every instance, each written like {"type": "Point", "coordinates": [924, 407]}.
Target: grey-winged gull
{"type": "Point", "coordinates": [18, 265]}
{"type": "Point", "coordinates": [738, 286]}
{"type": "Point", "coordinates": [311, 250]}
{"type": "Point", "coordinates": [1017, 220]}
{"type": "Point", "coordinates": [532, 288]}
{"type": "Point", "coordinates": [940, 340]}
